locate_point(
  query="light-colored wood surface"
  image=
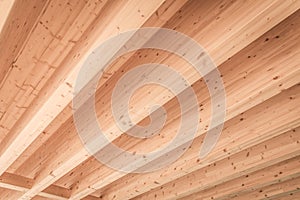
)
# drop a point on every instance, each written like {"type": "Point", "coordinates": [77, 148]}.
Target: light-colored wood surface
{"type": "Point", "coordinates": [5, 7]}
{"type": "Point", "coordinates": [256, 46]}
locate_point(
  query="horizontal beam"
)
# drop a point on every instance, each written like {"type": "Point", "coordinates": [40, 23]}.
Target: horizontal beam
{"type": "Point", "coordinates": [23, 184]}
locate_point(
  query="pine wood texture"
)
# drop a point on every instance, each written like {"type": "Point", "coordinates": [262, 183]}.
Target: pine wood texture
{"type": "Point", "coordinates": [254, 44]}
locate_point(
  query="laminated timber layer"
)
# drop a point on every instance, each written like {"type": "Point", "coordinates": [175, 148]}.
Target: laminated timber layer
{"type": "Point", "coordinates": [256, 47]}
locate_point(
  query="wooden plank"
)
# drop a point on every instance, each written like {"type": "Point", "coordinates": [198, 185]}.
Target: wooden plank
{"type": "Point", "coordinates": [23, 184]}
{"type": "Point", "coordinates": [23, 166]}
{"type": "Point", "coordinates": [234, 108]}
{"type": "Point", "coordinates": [18, 26]}
{"type": "Point", "coordinates": [38, 64]}
{"type": "Point", "coordinates": [9, 194]}
{"type": "Point", "coordinates": [62, 159]}
{"type": "Point", "coordinates": [14, 182]}
{"type": "Point", "coordinates": [17, 139]}
{"type": "Point", "coordinates": [5, 7]}
{"type": "Point", "coordinates": [283, 171]}
{"type": "Point", "coordinates": [91, 198]}
{"type": "Point", "coordinates": [292, 195]}
{"type": "Point", "coordinates": [234, 138]}
{"type": "Point", "coordinates": [57, 165]}
{"type": "Point", "coordinates": [118, 15]}
{"type": "Point", "coordinates": [15, 33]}
{"type": "Point", "coordinates": [40, 198]}
{"type": "Point", "coordinates": [30, 170]}
{"type": "Point", "coordinates": [235, 173]}
{"type": "Point", "coordinates": [273, 191]}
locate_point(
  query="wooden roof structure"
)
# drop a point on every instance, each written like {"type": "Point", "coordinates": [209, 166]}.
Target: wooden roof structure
{"type": "Point", "coordinates": [254, 44]}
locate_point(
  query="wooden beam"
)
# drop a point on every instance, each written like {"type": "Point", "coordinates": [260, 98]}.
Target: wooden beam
{"type": "Point", "coordinates": [21, 166]}
{"type": "Point", "coordinates": [60, 162]}
{"type": "Point", "coordinates": [91, 198]}
{"type": "Point", "coordinates": [38, 63]}
{"type": "Point", "coordinates": [57, 168]}
{"type": "Point", "coordinates": [165, 14]}
{"type": "Point", "coordinates": [283, 171]}
{"type": "Point", "coordinates": [9, 194]}
{"type": "Point", "coordinates": [114, 17]}
{"type": "Point", "coordinates": [274, 191]}
{"type": "Point", "coordinates": [234, 108]}
{"type": "Point", "coordinates": [5, 7]}
{"type": "Point", "coordinates": [233, 171]}
{"type": "Point", "coordinates": [40, 198]}
{"type": "Point", "coordinates": [23, 184]}
{"type": "Point", "coordinates": [14, 182]}
{"type": "Point", "coordinates": [165, 11]}
{"type": "Point", "coordinates": [49, 167]}
{"type": "Point", "coordinates": [19, 24]}
{"type": "Point", "coordinates": [15, 140]}
{"type": "Point", "coordinates": [237, 135]}
{"type": "Point", "coordinates": [291, 195]}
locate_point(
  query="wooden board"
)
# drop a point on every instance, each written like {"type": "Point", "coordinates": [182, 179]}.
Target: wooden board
{"type": "Point", "coordinates": [254, 44]}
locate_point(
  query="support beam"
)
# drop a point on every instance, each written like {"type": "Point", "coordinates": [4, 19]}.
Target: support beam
{"type": "Point", "coordinates": [164, 12]}
{"type": "Point", "coordinates": [22, 140]}
{"type": "Point", "coordinates": [276, 191]}
{"type": "Point", "coordinates": [17, 20]}
{"type": "Point", "coordinates": [239, 172]}
{"type": "Point", "coordinates": [237, 135]}
{"type": "Point", "coordinates": [46, 101]}
{"type": "Point", "coordinates": [23, 184]}
{"type": "Point", "coordinates": [5, 7]}
{"type": "Point", "coordinates": [283, 171]}
{"type": "Point", "coordinates": [291, 195]}
{"type": "Point", "coordinates": [15, 32]}
{"type": "Point", "coordinates": [14, 182]}
{"type": "Point", "coordinates": [223, 58]}
{"type": "Point", "coordinates": [9, 194]}
{"type": "Point", "coordinates": [251, 97]}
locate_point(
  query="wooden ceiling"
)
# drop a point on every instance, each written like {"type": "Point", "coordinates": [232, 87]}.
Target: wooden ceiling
{"type": "Point", "coordinates": [256, 46]}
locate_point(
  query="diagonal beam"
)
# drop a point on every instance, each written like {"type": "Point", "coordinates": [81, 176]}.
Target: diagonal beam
{"type": "Point", "coordinates": [5, 7]}
{"type": "Point", "coordinates": [275, 191]}
{"type": "Point", "coordinates": [290, 195]}
{"type": "Point", "coordinates": [18, 144]}
{"type": "Point", "coordinates": [90, 189]}
{"type": "Point", "coordinates": [17, 19]}
{"type": "Point", "coordinates": [283, 171]}
{"type": "Point", "coordinates": [17, 28]}
{"type": "Point", "coordinates": [251, 97]}
{"type": "Point", "coordinates": [235, 169]}
{"type": "Point", "coordinates": [115, 16]}
{"type": "Point", "coordinates": [125, 186]}
{"type": "Point", "coordinates": [237, 135]}
{"type": "Point", "coordinates": [75, 159]}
